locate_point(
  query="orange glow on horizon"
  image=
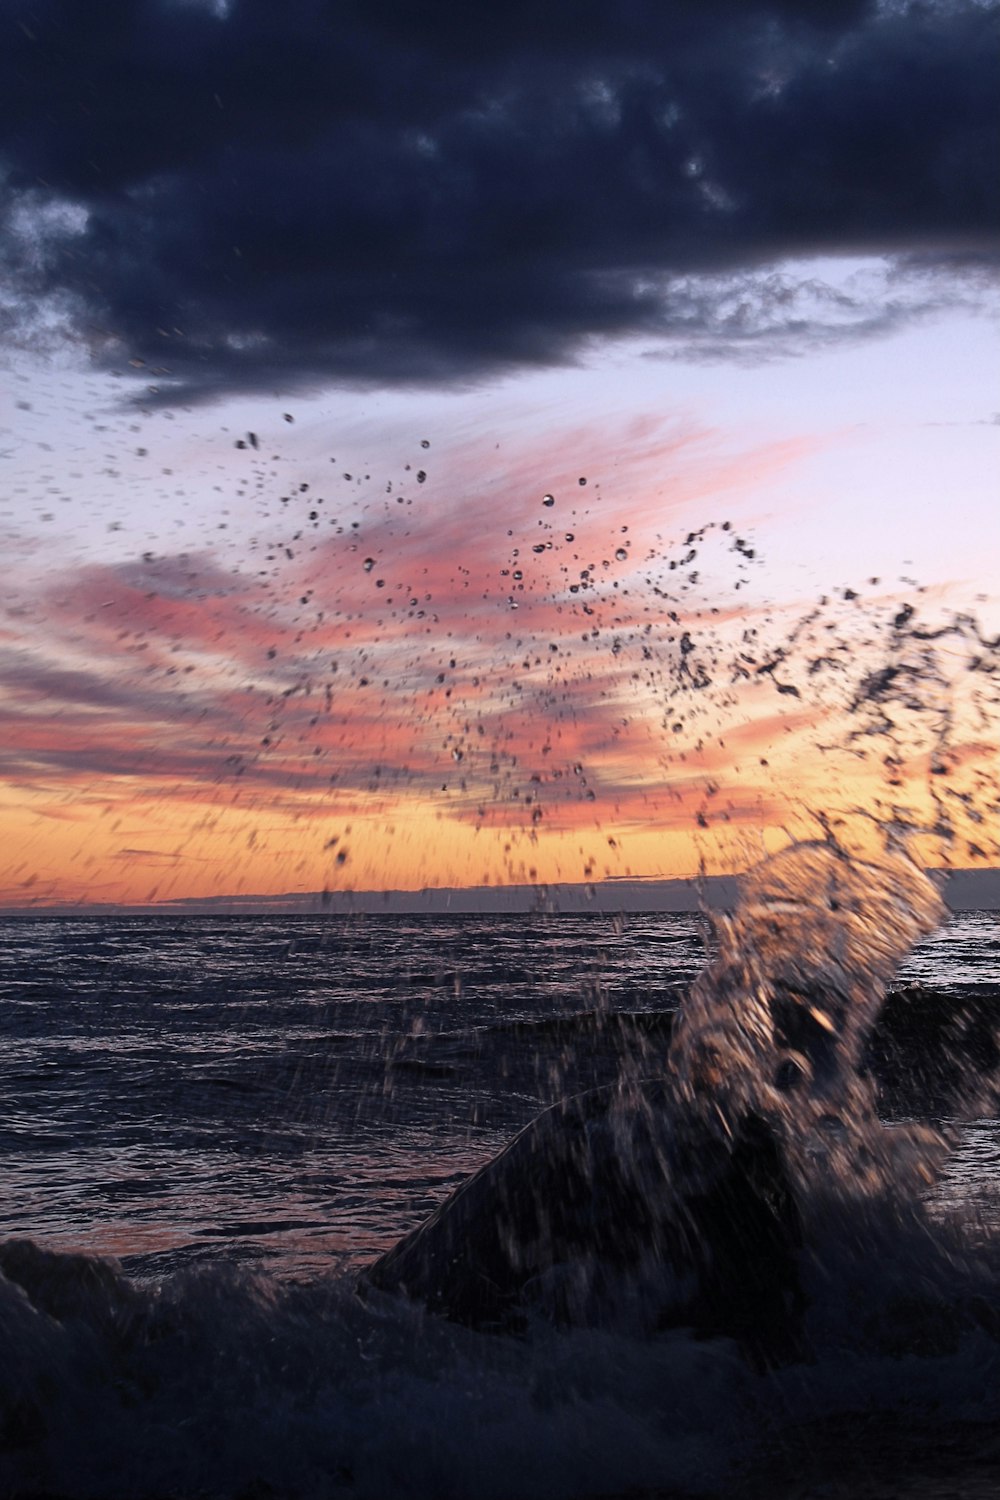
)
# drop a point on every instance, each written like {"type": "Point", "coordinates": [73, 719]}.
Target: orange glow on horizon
{"type": "Point", "coordinates": [547, 686]}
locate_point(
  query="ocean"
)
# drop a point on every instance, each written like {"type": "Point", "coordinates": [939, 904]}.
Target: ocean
{"type": "Point", "coordinates": [212, 1125]}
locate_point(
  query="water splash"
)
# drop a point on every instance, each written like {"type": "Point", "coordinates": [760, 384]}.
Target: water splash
{"type": "Point", "coordinates": [749, 1191]}
{"type": "Point", "coordinates": [777, 1025]}
{"type": "Point", "coordinates": [707, 1194]}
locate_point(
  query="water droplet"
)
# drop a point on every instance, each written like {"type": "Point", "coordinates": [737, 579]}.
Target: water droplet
{"type": "Point", "coordinates": [421, 476]}
{"type": "Point", "coordinates": [581, 480]}
{"type": "Point", "coordinates": [425, 442]}
{"type": "Point", "coordinates": [621, 554]}
{"type": "Point", "coordinates": [368, 564]}
{"type": "Point", "coordinates": [570, 537]}
{"type": "Point", "coordinates": [548, 500]}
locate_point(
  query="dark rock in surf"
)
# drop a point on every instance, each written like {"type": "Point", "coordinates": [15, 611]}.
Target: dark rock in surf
{"type": "Point", "coordinates": [579, 1220]}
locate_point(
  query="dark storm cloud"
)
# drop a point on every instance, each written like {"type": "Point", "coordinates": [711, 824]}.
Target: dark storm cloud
{"type": "Point", "coordinates": [247, 194]}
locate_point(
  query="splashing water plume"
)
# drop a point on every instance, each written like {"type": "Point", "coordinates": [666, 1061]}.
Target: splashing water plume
{"type": "Point", "coordinates": [778, 1024]}
{"type": "Point", "coordinates": [697, 1184]}
{"type": "Point", "coordinates": [725, 1237]}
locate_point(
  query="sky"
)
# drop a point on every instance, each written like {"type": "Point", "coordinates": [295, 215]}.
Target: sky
{"type": "Point", "coordinates": [457, 445]}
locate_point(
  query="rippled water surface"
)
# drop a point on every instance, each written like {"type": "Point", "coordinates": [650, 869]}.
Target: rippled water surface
{"type": "Point", "coordinates": [301, 1091]}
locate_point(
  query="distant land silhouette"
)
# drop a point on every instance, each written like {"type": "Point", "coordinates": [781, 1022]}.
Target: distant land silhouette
{"type": "Point", "coordinates": [964, 890]}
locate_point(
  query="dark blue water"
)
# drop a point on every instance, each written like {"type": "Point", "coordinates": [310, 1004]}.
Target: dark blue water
{"type": "Point", "coordinates": [295, 1090]}
{"type": "Point", "coordinates": [243, 1110]}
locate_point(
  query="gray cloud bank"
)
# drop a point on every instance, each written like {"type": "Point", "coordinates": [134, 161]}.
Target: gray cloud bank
{"type": "Point", "coordinates": [246, 195]}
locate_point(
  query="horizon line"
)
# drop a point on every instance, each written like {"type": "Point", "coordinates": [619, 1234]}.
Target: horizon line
{"type": "Point", "coordinates": [965, 889]}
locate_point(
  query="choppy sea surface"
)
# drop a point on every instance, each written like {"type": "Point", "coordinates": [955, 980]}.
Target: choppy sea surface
{"type": "Point", "coordinates": [291, 1090]}
{"type": "Point", "coordinates": [244, 1111]}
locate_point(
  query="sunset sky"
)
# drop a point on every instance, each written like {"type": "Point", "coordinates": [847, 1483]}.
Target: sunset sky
{"type": "Point", "coordinates": [450, 445]}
